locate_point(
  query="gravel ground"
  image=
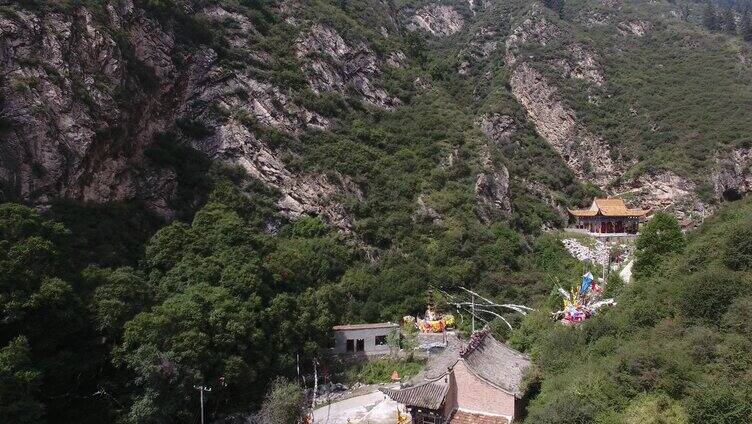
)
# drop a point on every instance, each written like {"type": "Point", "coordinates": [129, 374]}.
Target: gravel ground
{"type": "Point", "coordinates": [372, 408]}
{"type": "Point", "coordinates": [598, 254]}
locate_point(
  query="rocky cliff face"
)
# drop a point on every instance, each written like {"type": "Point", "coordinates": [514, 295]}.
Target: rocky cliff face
{"type": "Point", "coordinates": [85, 93]}
{"type": "Point", "coordinates": [499, 128]}
{"type": "Point", "coordinates": [233, 103]}
{"type": "Point", "coordinates": [331, 64]}
{"type": "Point", "coordinates": [71, 131]}
{"type": "Point", "coordinates": [733, 176]}
{"type": "Point", "coordinates": [82, 106]}
{"type": "Point", "coordinates": [666, 191]}
{"type": "Point", "coordinates": [492, 193]}
{"type": "Point", "coordinates": [588, 156]}
{"type": "Point", "coordinates": [438, 20]}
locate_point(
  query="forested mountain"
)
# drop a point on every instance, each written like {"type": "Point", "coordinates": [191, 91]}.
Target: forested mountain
{"type": "Point", "coordinates": [199, 189]}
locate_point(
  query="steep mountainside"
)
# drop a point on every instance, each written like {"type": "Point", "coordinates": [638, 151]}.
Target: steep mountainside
{"type": "Point", "coordinates": [101, 100]}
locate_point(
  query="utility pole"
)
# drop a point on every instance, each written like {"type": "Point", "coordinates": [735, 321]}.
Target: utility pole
{"type": "Point", "coordinates": [315, 388]}
{"type": "Point", "coordinates": [473, 314]}
{"type": "Point", "coordinates": [201, 390]}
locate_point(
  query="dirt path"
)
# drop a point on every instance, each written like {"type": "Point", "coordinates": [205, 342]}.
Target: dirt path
{"type": "Point", "coordinates": [626, 273]}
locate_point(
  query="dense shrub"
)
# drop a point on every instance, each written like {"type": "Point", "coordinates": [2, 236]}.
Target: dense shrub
{"type": "Point", "coordinates": [738, 248]}
{"type": "Point", "coordinates": [708, 294]}
{"type": "Point", "coordinates": [658, 239]}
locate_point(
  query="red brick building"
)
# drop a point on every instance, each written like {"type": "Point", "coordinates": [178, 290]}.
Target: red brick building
{"type": "Point", "coordinates": [482, 387]}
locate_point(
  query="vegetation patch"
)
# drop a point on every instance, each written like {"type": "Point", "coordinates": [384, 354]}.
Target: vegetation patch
{"type": "Point", "coordinates": [380, 370]}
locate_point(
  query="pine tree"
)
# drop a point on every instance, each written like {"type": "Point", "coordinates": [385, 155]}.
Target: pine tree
{"type": "Point", "coordinates": [710, 19]}
{"type": "Point", "coordinates": [745, 27]}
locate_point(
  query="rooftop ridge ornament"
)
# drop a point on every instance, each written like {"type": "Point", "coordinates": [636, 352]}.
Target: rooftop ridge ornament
{"type": "Point", "coordinates": [476, 340]}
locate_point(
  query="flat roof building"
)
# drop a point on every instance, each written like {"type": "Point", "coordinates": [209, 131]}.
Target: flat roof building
{"type": "Point", "coordinates": [363, 339]}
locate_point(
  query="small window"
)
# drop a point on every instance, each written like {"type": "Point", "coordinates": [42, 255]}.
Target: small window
{"type": "Point", "coordinates": [425, 418]}
{"type": "Point", "coordinates": [350, 347]}
{"type": "Point", "coordinates": [361, 345]}
{"type": "Point", "coordinates": [380, 340]}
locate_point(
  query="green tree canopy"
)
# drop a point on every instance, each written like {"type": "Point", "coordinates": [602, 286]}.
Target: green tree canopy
{"type": "Point", "coordinates": [19, 384]}
{"type": "Point", "coordinates": [658, 238]}
{"type": "Point", "coordinates": [196, 337]}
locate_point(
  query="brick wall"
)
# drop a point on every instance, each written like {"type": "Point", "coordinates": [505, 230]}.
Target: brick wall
{"type": "Point", "coordinates": [470, 393]}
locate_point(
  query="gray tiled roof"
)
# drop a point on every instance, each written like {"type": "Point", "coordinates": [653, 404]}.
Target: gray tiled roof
{"type": "Point", "coordinates": [429, 395]}
{"type": "Point", "coordinates": [496, 362]}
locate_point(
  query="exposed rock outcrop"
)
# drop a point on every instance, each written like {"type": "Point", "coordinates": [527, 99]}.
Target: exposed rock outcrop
{"type": "Point", "coordinates": [582, 65]}
{"type": "Point", "coordinates": [482, 44]}
{"type": "Point", "coordinates": [586, 155]}
{"type": "Point", "coordinates": [497, 127]}
{"type": "Point", "coordinates": [331, 64]}
{"type": "Point", "coordinates": [484, 41]}
{"type": "Point", "coordinates": [301, 194]}
{"type": "Point", "coordinates": [666, 191]}
{"type": "Point", "coordinates": [438, 20]}
{"type": "Point", "coordinates": [425, 211]}
{"type": "Point", "coordinates": [250, 103]}
{"type": "Point", "coordinates": [633, 27]}
{"type": "Point", "coordinates": [212, 92]}
{"type": "Point", "coordinates": [80, 108]}
{"type": "Point", "coordinates": [70, 131]}
{"type": "Point", "coordinates": [492, 191]}
{"type": "Point", "coordinates": [733, 175]}
{"type": "Point", "coordinates": [575, 59]}
{"type": "Point", "coordinates": [492, 194]}
{"type": "Point", "coordinates": [396, 59]}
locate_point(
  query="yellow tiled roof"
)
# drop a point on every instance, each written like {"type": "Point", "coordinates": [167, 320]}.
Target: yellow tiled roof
{"type": "Point", "coordinates": [613, 207]}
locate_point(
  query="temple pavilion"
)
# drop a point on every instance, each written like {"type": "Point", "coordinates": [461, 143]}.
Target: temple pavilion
{"type": "Point", "coordinates": [607, 216]}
